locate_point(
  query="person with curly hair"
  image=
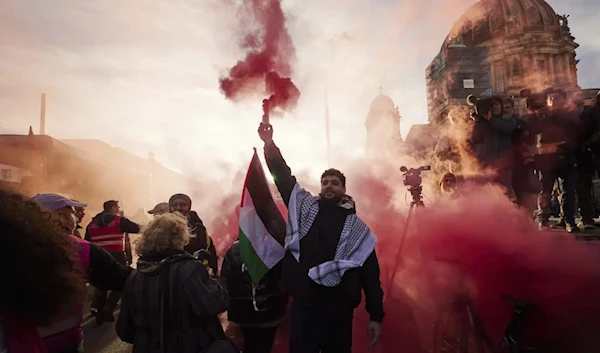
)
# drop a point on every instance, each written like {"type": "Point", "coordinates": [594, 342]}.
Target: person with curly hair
{"type": "Point", "coordinates": [170, 303]}
{"type": "Point", "coordinates": [40, 272]}
{"type": "Point", "coordinates": [65, 334]}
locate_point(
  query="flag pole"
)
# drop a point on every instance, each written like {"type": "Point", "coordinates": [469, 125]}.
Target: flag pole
{"type": "Point", "coordinates": [327, 131]}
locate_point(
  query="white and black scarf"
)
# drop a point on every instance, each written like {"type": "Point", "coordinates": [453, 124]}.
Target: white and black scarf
{"type": "Point", "coordinates": [356, 243]}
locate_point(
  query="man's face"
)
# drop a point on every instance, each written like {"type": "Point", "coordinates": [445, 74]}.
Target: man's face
{"type": "Point", "coordinates": [508, 109]}
{"type": "Point", "coordinates": [332, 188]}
{"type": "Point", "coordinates": [67, 218]}
{"type": "Point", "coordinates": [116, 209]}
{"type": "Point", "coordinates": [448, 185]}
{"type": "Point", "coordinates": [180, 205]}
{"type": "Point", "coordinates": [79, 213]}
{"type": "Point", "coordinates": [497, 108]}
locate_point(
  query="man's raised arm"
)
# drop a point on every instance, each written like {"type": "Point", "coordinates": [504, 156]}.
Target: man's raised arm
{"type": "Point", "coordinates": [282, 174]}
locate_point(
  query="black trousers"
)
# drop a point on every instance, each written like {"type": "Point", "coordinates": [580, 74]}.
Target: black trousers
{"type": "Point", "coordinates": [100, 302]}
{"type": "Point", "coordinates": [584, 197]}
{"type": "Point", "coordinates": [524, 192]}
{"type": "Point", "coordinates": [312, 332]}
{"type": "Point", "coordinates": [259, 339]}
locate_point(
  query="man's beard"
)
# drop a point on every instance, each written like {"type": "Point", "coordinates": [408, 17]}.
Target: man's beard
{"type": "Point", "coordinates": [334, 200]}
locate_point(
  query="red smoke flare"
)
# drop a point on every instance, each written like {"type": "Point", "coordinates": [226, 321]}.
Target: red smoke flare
{"type": "Point", "coordinates": [266, 69]}
{"type": "Point", "coordinates": [499, 252]}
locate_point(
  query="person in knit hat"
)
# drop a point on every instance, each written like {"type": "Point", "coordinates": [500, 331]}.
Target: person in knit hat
{"type": "Point", "coordinates": [201, 244]}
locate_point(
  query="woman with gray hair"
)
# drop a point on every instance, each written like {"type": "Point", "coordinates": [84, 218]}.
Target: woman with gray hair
{"type": "Point", "coordinates": [170, 303]}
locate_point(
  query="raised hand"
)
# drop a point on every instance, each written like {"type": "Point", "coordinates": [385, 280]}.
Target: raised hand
{"type": "Point", "coordinates": [265, 132]}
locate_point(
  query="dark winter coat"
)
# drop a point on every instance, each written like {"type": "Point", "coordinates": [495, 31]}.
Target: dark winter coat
{"type": "Point", "coordinates": [248, 307]}
{"type": "Point", "coordinates": [559, 137]}
{"type": "Point", "coordinates": [191, 305]}
{"type": "Point", "coordinates": [319, 246]}
{"type": "Point", "coordinates": [201, 241]}
{"type": "Point", "coordinates": [492, 141]}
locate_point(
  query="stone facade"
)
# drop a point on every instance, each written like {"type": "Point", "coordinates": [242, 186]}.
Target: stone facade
{"type": "Point", "coordinates": [528, 45]}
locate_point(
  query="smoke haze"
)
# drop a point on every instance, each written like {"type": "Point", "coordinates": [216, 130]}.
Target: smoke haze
{"type": "Point", "coordinates": [144, 76]}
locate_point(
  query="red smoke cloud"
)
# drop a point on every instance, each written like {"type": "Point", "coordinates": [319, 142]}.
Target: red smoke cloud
{"type": "Point", "coordinates": [498, 252]}
{"type": "Point", "coordinates": [266, 69]}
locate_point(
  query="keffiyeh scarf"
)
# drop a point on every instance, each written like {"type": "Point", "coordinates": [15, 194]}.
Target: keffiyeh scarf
{"type": "Point", "coordinates": [356, 241]}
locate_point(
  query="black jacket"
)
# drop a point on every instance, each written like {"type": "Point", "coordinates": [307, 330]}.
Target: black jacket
{"type": "Point", "coordinates": [200, 240]}
{"type": "Point", "coordinates": [318, 246]}
{"type": "Point", "coordinates": [191, 305]}
{"type": "Point", "coordinates": [105, 272]}
{"type": "Point", "coordinates": [268, 297]}
{"type": "Point", "coordinates": [562, 128]}
{"type": "Point", "coordinates": [587, 156]}
{"type": "Point", "coordinates": [491, 141]}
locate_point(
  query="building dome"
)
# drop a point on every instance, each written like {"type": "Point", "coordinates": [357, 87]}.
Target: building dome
{"type": "Point", "coordinates": [501, 47]}
{"type": "Point", "coordinates": [488, 19]}
{"type": "Point", "coordinates": [383, 125]}
{"type": "Point", "coordinates": [382, 103]}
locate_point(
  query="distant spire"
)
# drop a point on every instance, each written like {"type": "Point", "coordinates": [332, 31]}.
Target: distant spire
{"type": "Point", "coordinates": [380, 90]}
{"type": "Point", "coordinates": [30, 131]}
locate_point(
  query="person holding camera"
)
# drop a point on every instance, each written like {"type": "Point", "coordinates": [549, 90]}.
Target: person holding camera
{"type": "Point", "coordinates": [558, 130]}
{"type": "Point", "coordinates": [492, 139]}
{"type": "Point", "coordinates": [330, 259]}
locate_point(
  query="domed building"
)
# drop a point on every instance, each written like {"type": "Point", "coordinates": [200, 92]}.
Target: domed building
{"type": "Point", "coordinates": [383, 126]}
{"type": "Point", "coordinates": [527, 46]}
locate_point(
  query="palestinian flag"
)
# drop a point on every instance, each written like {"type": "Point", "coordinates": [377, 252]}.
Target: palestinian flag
{"type": "Point", "coordinates": [262, 227]}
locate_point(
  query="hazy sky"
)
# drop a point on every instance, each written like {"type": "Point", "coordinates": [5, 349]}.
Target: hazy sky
{"type": "Point", "coordinates": [143, 74]}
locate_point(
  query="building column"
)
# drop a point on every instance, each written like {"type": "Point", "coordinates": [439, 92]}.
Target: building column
{"type": "Point", "coordinates": [550, 59]}
{"type": "Point", "coordinates": [567, 68]}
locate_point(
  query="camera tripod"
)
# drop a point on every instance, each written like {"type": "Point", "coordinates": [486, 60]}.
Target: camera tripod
{"type": "Point", "coordinates": [417, 201]}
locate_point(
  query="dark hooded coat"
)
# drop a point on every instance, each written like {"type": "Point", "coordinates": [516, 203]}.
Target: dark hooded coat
{"type": "Point", "coordinates": [192, 302]}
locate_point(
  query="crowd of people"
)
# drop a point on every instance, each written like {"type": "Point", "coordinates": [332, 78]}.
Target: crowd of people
{"type": "Point", "coordinates": [171, 301]}
{"type": "Point", "coordinates": [543, 159]}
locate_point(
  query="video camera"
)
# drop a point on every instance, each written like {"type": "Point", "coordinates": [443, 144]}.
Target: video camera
{"type": "Point", "coordinates": [412, 177]}
{"type": "Point", "coordinates": [536, 100]}
{"type": "Point", "coordinates": [482, 106]}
